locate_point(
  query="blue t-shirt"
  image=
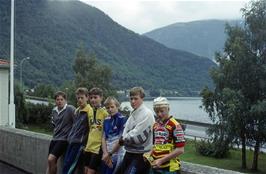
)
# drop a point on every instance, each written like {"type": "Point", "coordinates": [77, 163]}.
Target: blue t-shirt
{"type": "Point", "coordinates": [113, 127]}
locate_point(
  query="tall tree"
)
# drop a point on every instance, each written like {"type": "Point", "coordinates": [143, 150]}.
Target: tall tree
{"type": "Point", "coordinates": [240, 82]}
{"type": "Point", "coordinates": [90, 73]}
{"type": "Point", "coordinates": [255, 26]}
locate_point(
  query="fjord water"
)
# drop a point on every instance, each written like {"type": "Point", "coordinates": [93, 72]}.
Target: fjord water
{"type": "Point", "coordinates": [185, 108]}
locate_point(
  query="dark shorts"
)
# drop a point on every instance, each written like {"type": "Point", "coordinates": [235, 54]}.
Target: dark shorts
{"type": "Point", "coordinates": [92, 160]}
{"type": "Point", "coordinates": [57, 148]}
{"type": "Point", "coordinates": [133, 164]}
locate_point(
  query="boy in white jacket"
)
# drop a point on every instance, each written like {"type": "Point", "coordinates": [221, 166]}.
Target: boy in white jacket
{"type": "Point", "coordinates": [137, 135]}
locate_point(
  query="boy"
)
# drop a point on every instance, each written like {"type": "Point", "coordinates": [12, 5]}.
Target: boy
{"type": "Point", "coordinates": [168, 138]}
{"type": "Point", "coordinates": [137, 135]}
{"type": "Point", "coordinates": [62, 119]}
{"type": "Point", "coordinates": [93, 152]}
{"type": "Point", "coordinates": [78, 134]}
{"type": "Point", "coordinates": [113, 127]}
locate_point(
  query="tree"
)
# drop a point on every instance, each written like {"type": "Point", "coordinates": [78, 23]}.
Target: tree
{"type": "Point", "coordinates": [21, 109]}
{"type": "Point", "coordinates": [90, 73]}
{"type": "Point", "coordinates": [255, 26]}
{"type": "Point", "coordinates": [44, 90]}
{"type": "Point", "coordinates": [235, 105]}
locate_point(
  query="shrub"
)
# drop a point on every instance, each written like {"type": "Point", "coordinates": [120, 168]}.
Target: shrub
{"type": "Point", "coordinates": [216, 149]}
{"type": "Point", "coordinates": [40, 114]}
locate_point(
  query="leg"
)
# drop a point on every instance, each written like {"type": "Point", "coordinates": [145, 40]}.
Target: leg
{"type": "Point", "coordinates": [52, 164]}
{"type": "Point", "coordinates": [92, 162]}
{"type": "Point", "coordinates": [71, 158]}
{"type": "Point", "coordinates": [138, 165]}
{"type": "Point", "coordinates": [56, 149]}
{"type": "Point", "coordinates": [89, 171]}
{"type": "Point", "coordinates": [124, 165]}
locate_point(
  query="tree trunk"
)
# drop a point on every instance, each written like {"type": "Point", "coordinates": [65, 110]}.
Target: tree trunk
{"type": "Point", "coordinates": [244, 163]}
{"type": "Point", "coordinates": [256, 155]}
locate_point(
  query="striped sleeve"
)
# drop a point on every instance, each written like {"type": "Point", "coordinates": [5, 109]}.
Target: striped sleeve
{"type": "Point", "coordinates": [178, 135]}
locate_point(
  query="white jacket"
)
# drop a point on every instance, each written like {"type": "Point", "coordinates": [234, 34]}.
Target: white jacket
{"type": "Point", "coordinates": [137, 134]}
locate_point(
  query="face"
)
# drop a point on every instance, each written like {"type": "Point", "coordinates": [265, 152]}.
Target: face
{"type": "Point", "coordinates": [95, 100]}
{"type": "Point", "coordinates": [162, 113]}
{"type": "Point", "coordinates": [60, 102]}
{"type": "Point", "coordinates": [112, 108]}
{"type": "Point", "coordinates": [82, 100]}
{"type": "Point", "coordinates": [135, 101]}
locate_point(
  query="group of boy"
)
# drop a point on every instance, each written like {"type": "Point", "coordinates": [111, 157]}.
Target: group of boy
{"type": "Point", "coordinates": [107, 142]}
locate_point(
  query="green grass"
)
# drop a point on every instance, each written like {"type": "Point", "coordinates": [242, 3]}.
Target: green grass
{"type": "Point", "coordinates": [232, 162]}
{"type": "Point", "coordinates": [38, 128]}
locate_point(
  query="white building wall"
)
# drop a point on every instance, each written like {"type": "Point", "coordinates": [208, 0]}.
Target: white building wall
{"type": "Point", "coordinates": [4, 74]}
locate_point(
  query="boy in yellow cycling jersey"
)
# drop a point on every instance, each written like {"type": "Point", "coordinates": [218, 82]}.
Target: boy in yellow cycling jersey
{"type": "Point", "coordinates": [168, 140]}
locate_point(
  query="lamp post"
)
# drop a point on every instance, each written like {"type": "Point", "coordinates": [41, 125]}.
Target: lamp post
{"type": "Point", "coordinates": [11, 107]}
{"type": "Point", "coordinates": [21, 63]}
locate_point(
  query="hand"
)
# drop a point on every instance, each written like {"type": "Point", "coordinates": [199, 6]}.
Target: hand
{"type": "Point", "coordinates": [107, 160]}
{"type": "Point", "coordinates": [157, 163]}
{"type": "Point", "coordinates": [109, 163]}
{"type": "Point", "coordinates": [105, 157]}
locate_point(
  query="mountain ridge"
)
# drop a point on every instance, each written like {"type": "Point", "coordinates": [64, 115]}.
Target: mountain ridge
{"type": "Point", "coordinates": [50, 32]}
{"type": "Point", "coordinates": [201, 37]}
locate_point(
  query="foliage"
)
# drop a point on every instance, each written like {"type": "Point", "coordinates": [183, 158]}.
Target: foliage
{"type": "Point", "coordinates": [154, 93]}
{"type": "Point", "coordinates": [69, 88]}
{"type": "Point", "coordinates": [216, 149]}
{"type": "Point", "coordinates": [90, 73]}
{"type": "Point", "coordinates": [49, 32]}
{"type": "Point", "coordinates": [21, 109]}
{"type": "Point", "coordinates": [40, 114]}
{"type": "Point", "coordinates": [231, 162]}
{"type": "Point", "coordinates": [43, 90]}
{"type": "Point", "coordinates": [239, 94]}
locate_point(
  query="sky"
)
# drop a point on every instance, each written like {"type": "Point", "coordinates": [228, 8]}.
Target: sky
{"type": "Point", "coordinates": [143, 16]}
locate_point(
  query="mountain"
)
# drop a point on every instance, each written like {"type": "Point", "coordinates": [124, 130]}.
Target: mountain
{"type": "Point", "coordinates": [50, 32]}
{"type": "Point", "coordinates": [203, 37]}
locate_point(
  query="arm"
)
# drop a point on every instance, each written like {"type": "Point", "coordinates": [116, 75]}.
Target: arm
{"type": "Point", "coordinates": [178, 151]}
{"type": "Point", "coordinates": [106, 157]}
{"type": "Point", "coordinates": [140, 133]}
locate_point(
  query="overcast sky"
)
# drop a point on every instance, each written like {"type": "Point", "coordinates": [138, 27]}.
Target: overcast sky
{"type": "Point", "coordinates": [143, 16]}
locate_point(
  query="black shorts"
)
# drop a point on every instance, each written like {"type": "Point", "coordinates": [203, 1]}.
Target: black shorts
{"type": "Point", "coordinates": [57, 148]}
{"type": "Point", "coordinates": [133, 163]}
{"type": "Point", "coordinates": [92, 160]}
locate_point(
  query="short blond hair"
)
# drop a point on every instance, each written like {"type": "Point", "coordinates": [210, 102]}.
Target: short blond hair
{"type": "Point", "coordinates": [82, 91]}
{"type": "Point", "coordinates": [111, 99]}
{"type": "Point", "coordinates": [137, 91]}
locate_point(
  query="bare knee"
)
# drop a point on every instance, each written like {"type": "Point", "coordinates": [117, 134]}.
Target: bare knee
{"type": "Point", "coordinates": [52, 160]}
{"type": "Point", "coordinates": [89, 171]}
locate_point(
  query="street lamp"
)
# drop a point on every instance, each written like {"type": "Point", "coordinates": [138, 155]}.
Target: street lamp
{"type": "Point", "coordinates": [11, 107]}
{"type": "Point", "coordinates": [21, 62]}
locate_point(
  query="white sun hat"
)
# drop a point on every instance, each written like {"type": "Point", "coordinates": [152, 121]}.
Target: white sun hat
{"type": "Point", "coordinates": [160, 102]}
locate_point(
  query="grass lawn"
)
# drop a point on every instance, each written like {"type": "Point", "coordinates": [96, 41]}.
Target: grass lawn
{"type": "Point", "coordinates": [37, 128]}
{"type": "Point", "coordinates": [233, 162]}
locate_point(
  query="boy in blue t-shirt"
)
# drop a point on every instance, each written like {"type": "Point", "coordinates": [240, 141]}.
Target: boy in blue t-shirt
{"type": "Point", "coordinates": [113, 127]}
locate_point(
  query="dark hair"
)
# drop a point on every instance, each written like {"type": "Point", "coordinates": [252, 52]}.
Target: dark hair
{"type": "Point", "coordinates": [137, 91]}
{"type": "Point", "coordinates": [60, 93]}
{"type": "Point", "coordinates": [82, 90]}
{"type": "Point", "coordinates": [96, 91]}
{"type": "Point", "coordinates": [111, 99]}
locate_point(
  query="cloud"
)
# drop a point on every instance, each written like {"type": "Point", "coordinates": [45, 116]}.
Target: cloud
{"type": "Point", "coordinates": [143, 16]}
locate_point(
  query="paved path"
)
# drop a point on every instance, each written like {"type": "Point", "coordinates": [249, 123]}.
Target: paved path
{"type": "Point", "coordinates": [7, 169]}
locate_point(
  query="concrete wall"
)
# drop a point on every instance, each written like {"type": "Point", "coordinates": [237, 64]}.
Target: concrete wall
{"type": "Point", "coordinates": [28, 151]}
{"type": "Point", "coordinates": [4, 96]}
{"type": "Point", "coordinates": [23, 149]}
